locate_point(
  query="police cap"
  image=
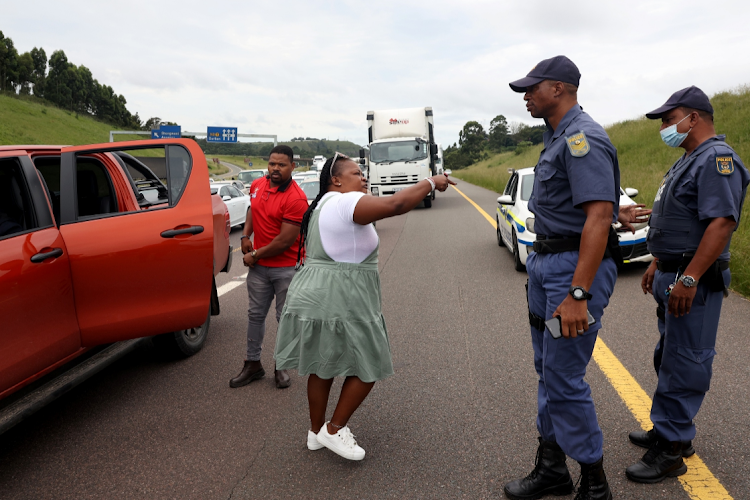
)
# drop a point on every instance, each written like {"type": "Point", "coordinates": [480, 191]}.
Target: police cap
{"type": "Point", "coordinates": [558, 68]}
{"type": "Point", "coordinates": [691, 97]}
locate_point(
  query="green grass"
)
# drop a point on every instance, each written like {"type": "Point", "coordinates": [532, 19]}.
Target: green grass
{"type": "Point", "coordinates": [644, 159]}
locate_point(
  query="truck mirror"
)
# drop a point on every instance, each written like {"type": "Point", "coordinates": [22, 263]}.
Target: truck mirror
{"type": "Point", "coordinates": [362, 153]}
{"type": "Point", "coordinates": [433, 149]}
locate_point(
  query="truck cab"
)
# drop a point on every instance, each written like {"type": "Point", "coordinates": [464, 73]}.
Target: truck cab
{"type": "Point", "coordinates": [402, 150]}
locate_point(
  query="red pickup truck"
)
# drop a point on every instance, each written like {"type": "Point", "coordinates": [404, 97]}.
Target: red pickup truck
{"type": "Point", "coordinates": [101, 244]}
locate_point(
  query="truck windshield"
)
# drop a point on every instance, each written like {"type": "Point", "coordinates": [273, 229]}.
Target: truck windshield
{"type": "Point", "coordinates": [389, 152]}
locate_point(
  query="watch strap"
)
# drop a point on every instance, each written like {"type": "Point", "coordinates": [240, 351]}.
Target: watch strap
{"type": "Point", "coordinates": [585, 295]}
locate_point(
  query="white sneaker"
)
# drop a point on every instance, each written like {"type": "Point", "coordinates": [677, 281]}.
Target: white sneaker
{"type": "Point", "coordinates": [342, 443]}
{"type": "Point", "coordinates": [312, 441]}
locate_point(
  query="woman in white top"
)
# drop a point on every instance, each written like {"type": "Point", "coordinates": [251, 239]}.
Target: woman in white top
{"type": "Point", "coordinates": [331, 324]}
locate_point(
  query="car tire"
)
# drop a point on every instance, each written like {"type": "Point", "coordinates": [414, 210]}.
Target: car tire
{"type": "Point", "coordinates": [427, 202]}
{"type": "Point", "coordinates": [517, 255]}
{"type": "Point", "coordinates": [183, 343]}
{"type": "Point", "coordinates": [499, 234]}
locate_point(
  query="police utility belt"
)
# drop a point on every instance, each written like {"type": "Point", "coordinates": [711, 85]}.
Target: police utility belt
{"type": "Point", "coordinates": [713, 277]}
{"type": "Point", "coordinates": [559, 244]}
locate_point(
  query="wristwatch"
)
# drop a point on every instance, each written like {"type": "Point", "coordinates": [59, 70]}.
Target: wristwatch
{"type": "Point", "coordinates": [244, 236]}
{"type": "Point", "coordinates": [253, 253]}
{"type": "Point", "coordinates": [579, 293]}
{"type": "Point", "coordinates": [688, 281]}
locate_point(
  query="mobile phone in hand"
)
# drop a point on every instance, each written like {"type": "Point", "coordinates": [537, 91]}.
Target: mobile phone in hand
{"type": "Point", "coordinates": [554, 325]}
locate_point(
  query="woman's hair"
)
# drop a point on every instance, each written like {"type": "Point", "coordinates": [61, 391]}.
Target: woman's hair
{"type": "Point", "coordinates": [329, 170]}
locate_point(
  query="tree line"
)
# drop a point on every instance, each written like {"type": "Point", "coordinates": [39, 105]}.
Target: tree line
{"type": "Point", "coordinates": [63, 84]}
{"type": "Point", "coordinates": [475, 144]}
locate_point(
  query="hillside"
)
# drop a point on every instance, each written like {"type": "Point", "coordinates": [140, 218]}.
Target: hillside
{"type": "Point", "coordinates": [644, 159]}
{"type": "Point", "coordinates": [30, 121]}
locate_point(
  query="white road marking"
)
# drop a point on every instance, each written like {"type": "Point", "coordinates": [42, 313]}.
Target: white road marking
{"type": "Point", "coordinates": [228, 287]}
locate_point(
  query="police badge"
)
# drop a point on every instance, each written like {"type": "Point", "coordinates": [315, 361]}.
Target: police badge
{"type": "Point", "coordinates": [578, 145]}
{"type": "Point", "coordinates": [725, 165]}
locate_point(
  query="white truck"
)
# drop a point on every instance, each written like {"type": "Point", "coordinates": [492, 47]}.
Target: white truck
{"type": "Point", "coordinates": [402, 150]}
{"type": "Point", "coordinates": [318, 162]}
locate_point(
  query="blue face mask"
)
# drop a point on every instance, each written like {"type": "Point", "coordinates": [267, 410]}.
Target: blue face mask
{"type": "Point", "coordinates": [671, 137]}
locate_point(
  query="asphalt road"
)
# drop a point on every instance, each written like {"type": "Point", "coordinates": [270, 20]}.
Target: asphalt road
{"type": "Point", "coordinates": [456, 421]}
{"type": "Point", "coordinates": [233, 170]}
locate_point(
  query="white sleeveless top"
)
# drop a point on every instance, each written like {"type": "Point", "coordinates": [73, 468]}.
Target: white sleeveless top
{"type": "Point", "coordinates": [343, 239]}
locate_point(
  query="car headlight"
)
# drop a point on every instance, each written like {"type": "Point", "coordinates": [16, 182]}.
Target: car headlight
{"type": "Point", "coordinates": [375, 191]}
{"type": "Point", "coordinates": [530, 224]}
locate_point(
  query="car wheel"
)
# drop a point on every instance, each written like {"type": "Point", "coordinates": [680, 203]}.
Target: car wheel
{"type": "Point", "coordinates": [427, 202]}
{"type": "Point", "coordinates": [499, 234]}
{"type": "Point", "coordinates": [183, 343]}
{"type": "Point", "coordinates": [517, 255]}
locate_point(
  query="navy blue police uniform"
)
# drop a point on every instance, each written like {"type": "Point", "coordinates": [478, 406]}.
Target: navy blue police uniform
{"type": "Point", "coordinates": [578, 165]}
{"type": "Point", "coordinates": [708, 183]}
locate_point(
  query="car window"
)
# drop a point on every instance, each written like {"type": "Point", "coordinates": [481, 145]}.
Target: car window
{"type": "Point", "coordinates": [95, 194]}
{"type": "Point", "coordinates": [233, 192]}
{"type": "Point", "coordinates": [311, 189]}
{"type": "Point", "coordinates": [513, 186]}
{"type": "Point", "coordinates": [16, 212]}
{"type": "Point", "coordinates": [527, 185]}
{"type": "Point", "coordinates": [180, 165]}
{"type": "Point", "coordinates": [224, 191]}
{"type": "Point", "coordinates": [508, 186]}
{"type": "Point", "coordinates": [214, 190]}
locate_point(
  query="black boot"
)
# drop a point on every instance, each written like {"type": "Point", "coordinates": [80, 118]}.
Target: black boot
{"type": "Point", "coordinates": [550, 475]}
{"type": "Point", "coordinates": [645, 439]}
{"type": "Point", "coordinates": [252, 370]}
{"type": "Point", "coordinates": [594, 484]}
{"type": "Point", "coordinates": [663, 459]}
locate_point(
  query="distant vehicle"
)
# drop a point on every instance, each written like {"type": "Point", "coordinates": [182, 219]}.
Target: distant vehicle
{"type": "Point", "coordinates": [311, 187]}
{"type": "Point", "coordinates": [318, 162]}
{"type": "Point", "coordinates": [402, 150]}
{"type": "Point", "coordinates": [439, 166]}
{"type": "Point", "coordinates": [248, 176]}
{"type": "Point", "coordinates": [236, 201]}
{"type": "Point", "coordinates": [515, 222]}
{"type": "Point", "coordinates": [104, 247]}
{"type": "Point", "coordinates": [310, 174]}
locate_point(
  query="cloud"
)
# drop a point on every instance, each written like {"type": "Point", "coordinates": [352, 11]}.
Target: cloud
{"type": "Point", "coordinates": [294, 67]}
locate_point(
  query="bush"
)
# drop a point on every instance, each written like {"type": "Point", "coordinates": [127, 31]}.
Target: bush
{"type": "Point", "coordinates": [522, 147]}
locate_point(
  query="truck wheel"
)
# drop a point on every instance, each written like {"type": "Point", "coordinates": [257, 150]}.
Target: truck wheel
{"type": "Point", "coordinates": [427, 202]}
{"type": "Point", "coordinates": [517, 255]}
{"type": "Point", "coordinates": [183, 343]}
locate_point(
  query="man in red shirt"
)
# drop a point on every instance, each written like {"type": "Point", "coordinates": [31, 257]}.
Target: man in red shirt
{"type": "Point", "coordinates": [276, 209]}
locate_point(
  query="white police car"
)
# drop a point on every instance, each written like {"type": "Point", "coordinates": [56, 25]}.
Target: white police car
{"type": "Point", "coordinates": [515, 223]}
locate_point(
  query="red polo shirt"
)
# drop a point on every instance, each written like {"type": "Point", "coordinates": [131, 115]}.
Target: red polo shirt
{"type": "Point", "coordinates": [270, 207]}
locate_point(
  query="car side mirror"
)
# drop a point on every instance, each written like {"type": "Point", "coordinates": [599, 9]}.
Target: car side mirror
{"type": "Point", "coordinates": [505, 199]}
{"type": "Point", "coordinates": [632, 192]}
{"type": "Point", "coordinates": [226, 198]}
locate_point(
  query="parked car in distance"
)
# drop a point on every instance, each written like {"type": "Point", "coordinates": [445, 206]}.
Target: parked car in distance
{"type": "Point", "coordinates": [311, 187]}
{"type": "Point", "coordinates": [237, 202]}
{"type": "Point", "coordinates": [104, 244]}
{"type": "Point", "coordinates": [318, 162]}
{"type": "Point", "coordinates": [248, 176]}
{"type": "Point", "coordinates": [309, 174]}
{"type": "Point", "coordinates": [515, 222]}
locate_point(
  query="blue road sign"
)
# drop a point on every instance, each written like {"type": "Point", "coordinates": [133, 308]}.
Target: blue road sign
{"type": "Point", "coordinates": [170, 131]}
{"type": "Point", "coordinates": [156, 134]}
{"type": "Point", "coordinates": [221, 134]}
{"type": "Point", "coordinates": [249, 164]}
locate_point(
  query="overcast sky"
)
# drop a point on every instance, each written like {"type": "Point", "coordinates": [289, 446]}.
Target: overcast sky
{"type": "Point", "coordinates": [305, 68]}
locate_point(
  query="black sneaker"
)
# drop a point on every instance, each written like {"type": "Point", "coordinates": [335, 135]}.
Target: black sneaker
{"type": "Point", "coordinates": [645, 439]}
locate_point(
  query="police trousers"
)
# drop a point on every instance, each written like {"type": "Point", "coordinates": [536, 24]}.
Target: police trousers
{"type": "Point", "coordinates": [683, 358]}
{"type": "Point", "coordinates": [566, 412]}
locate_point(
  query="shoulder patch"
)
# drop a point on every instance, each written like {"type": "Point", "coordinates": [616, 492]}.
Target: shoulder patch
{"type": "Point", "coordinates": [724, 165]}
{"type": "Point", "coordinates": [578, 145]}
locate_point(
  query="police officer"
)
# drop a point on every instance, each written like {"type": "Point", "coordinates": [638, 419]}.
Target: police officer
{"type": "Point", "coordinates": [575, 200]}
{"type": "Point", "coordinates": [696, 209]}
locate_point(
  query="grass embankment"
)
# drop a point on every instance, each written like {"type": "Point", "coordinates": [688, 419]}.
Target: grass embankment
{"type": "Point", "coordinates": [644, 159]}
{"type": "Point", "coordinates": [237, 161]}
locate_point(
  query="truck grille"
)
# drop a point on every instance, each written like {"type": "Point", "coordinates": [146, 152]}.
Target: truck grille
{"type": "Point", "coordinates": [399, 179]}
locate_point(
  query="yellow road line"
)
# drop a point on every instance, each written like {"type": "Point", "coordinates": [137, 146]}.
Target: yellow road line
{"type": "Point", "coordinates": [698, 481]}
{"type": "Point", "coordinates": [486, 215]}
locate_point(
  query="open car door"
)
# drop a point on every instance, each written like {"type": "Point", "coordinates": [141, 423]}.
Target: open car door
{"type": "Point", "coordinates": [141, 265]}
